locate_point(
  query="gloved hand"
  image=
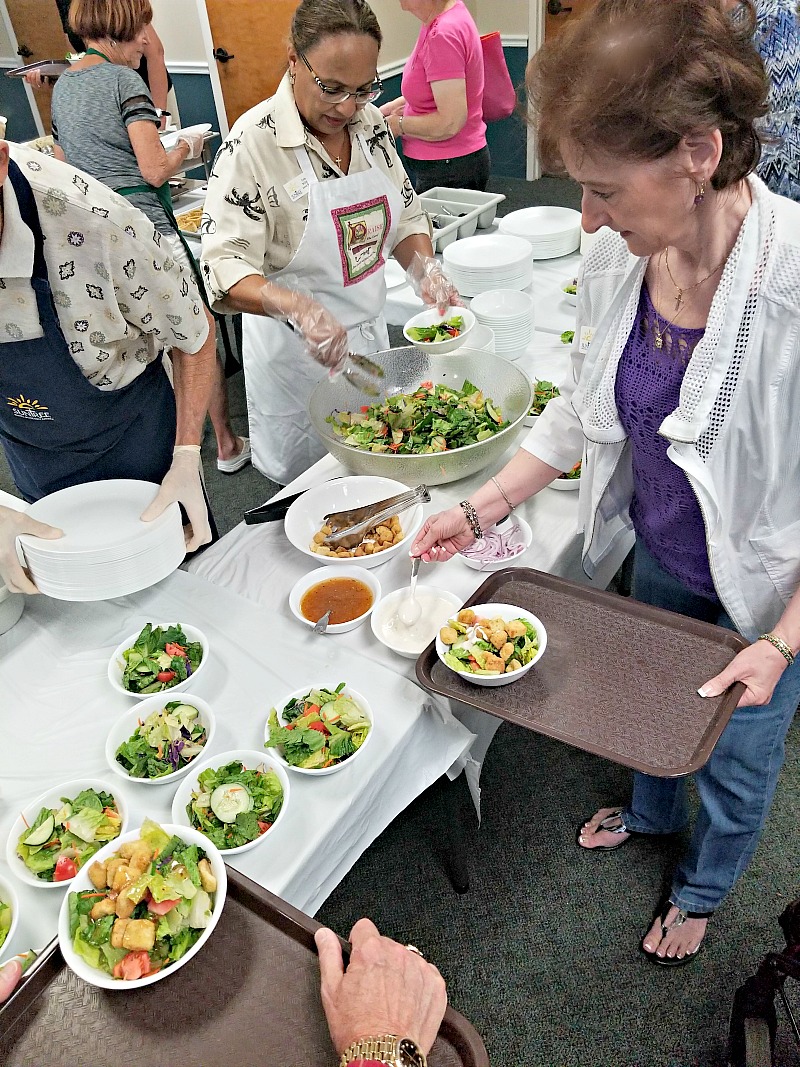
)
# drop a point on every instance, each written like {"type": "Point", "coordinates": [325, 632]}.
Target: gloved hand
{"type": "Point", "coordinates": [13, 523]}
{"type": "Point", "coordinates": [195, 142]}
{"type": "Point", "coordinates": [182, 482]}
{"type": "Point", "coordinates": [431, 284]}
{"type": "Point", "coordinates": [325, 337]}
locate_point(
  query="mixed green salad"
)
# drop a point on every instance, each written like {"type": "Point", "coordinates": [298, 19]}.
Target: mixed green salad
{"type": "Point", "coordinates": [434, 418]}
{"type": "Point", "coordinates": [148, 905]}
{"type": "Point", "coordinates": [571, 475]}
{"type": "Point", "coordinates": [234, 805]}
{"type": "Point", "coordinates": [439, 331]}
{"type": "Point", "coordinates": [567, 337]}
{"type": "Point", "coordinates": [62, 839]}
{"type": "Point", "coordinates": [321, 729]}
{"type": "Point", "coordinates": [571, 289]}
{"type": "Point", "coordinates": [160, 658]}
{"type": "Point", "coordinates": [543, 393]}
{"type": "Point", "coordinates": [164, 742]}
{"type": "Point", "coordinates": [5, 921]}
{"type": "Point", "coordinates": [489, 647]}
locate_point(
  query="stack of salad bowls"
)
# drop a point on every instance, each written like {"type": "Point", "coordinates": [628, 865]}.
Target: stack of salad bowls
{"type": "Point", "coordinates": [509, 315]}
{"type": "Point", "coordinates": [106, 550]}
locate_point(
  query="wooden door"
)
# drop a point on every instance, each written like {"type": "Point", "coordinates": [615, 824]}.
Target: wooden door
{"type": "Point", "coordinates": [253, 33]}
{"type": "Point", "coordinates": [559, 12]}
{"type": "Point", "coordinates": [39, 34]}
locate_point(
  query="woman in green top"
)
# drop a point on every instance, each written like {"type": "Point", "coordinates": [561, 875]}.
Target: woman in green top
{"type": "Point", "coordinates": [104, 122]}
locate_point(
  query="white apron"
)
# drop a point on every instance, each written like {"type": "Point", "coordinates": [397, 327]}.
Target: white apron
{"type": "Point", "coordinates": [352, 223]}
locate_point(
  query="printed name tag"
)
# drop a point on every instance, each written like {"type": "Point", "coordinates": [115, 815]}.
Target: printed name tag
{"type": "Point", "coordinates": [297, 187]}
{"type": "Point", "coordinates": [587, 333]}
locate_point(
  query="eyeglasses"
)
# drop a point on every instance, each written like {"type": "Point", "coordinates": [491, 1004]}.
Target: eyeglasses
{"type": "Point", "coordinates": [338, 96]}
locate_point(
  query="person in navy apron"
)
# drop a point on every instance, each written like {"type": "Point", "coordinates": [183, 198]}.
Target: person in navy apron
{"type": "Point", "coordinates": [58, 429]}
{"type": "Point", "coordinates": [328, 298]}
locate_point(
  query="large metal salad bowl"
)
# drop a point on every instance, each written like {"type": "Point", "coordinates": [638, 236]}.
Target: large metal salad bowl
{"type": "Point", "coordinates": [406, 368]}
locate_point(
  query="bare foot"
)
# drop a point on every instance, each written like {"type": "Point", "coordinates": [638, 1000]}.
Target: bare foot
{"type": "Point", "coordinates": [675, 938]}
{"type": "Point", "coordinates": [600, 832]}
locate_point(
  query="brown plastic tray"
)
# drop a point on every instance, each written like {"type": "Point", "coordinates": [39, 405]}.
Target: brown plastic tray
{"type": "Point", "coordinates": [618, 678]}
{"type": "Point", "coordinates": [249, 998]}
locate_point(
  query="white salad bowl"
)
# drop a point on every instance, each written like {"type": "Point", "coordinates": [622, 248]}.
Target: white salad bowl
{"type": "Point", "coordinates": [565, 484]}
{"type": "Point", "coordinates": [8, 895]}
{"type": "Point", "coordinates": [509, 561]}
{"type": "Point", "coordinates": [250, 758]}
{"type": "Point", "coordinates": [324, 574]}
{"type": "Point", "coordinates": [126, 724]}
{"type": "Point", "coordinates": [392, 633]}
{"type": "Point", "coordinates": [116, 665]}
{"type": "Point", "coordinates": [82, 882]}
{"type": "Point", "coordinates": [52, 799]}
{"type": "Point", "coordinates": [305, 515]}
{"type": "Point", "coordinates": [571, 298]}
{"type": "Point", "coordinates": [429, 317]}
{"type": "Point", "coordinates": [507, 612]}
{"type": "Point", "coordinates": [317, 772]}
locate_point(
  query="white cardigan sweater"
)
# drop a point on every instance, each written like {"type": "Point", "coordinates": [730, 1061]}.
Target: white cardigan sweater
{"type": "Point", "coordinates": [736, 431]}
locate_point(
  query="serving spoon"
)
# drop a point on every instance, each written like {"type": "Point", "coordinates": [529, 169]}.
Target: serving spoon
{"type": "Point", "coordinates": [411, 609]}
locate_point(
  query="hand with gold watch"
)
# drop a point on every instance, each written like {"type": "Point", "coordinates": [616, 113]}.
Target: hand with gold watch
{"type": "Point", "coordinates": [387, 1006]}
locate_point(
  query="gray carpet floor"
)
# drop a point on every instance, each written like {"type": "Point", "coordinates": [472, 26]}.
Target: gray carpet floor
{"type": "Point", "coordinates": [542, 953]}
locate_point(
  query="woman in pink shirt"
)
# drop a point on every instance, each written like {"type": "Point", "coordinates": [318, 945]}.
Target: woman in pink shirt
{"type": "Point", "coordinates": [440, 114]}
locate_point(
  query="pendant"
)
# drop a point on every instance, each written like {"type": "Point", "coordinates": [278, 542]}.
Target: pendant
{"type": "Point", "coordinates": [659, 342]}
{"type": "Point", "coordinates": [679, 301]}
{"type": "Point", "coordinates": [338, 162]}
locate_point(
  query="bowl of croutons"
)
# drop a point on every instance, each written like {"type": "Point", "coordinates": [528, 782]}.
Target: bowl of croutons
{"type": "Point", "coordinates": [491, 644]}
{"type": "Point", "coordinates": [143, 907]}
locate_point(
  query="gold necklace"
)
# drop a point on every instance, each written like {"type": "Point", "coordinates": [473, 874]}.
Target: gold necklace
{"type": "Point", "coordinates": [690, 288]}
{"type": "Point", "coordinates": [661, 334]}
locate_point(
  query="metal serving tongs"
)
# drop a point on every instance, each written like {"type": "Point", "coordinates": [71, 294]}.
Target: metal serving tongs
{"type": "Point", "coordinates": [350, 526]}
{"type": "Point", "coordinates": [361, 372]}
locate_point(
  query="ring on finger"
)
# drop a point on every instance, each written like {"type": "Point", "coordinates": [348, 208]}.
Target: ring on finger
{"type": "Point", "coordinates": [415, 950]}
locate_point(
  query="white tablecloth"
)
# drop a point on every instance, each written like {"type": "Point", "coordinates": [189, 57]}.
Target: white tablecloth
{"type": "Point", "coordinates": [57, 707]}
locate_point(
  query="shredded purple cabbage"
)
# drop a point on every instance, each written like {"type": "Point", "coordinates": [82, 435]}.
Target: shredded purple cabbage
{"type": "Point", "coordinates": [188, 666]}
{"type": "Point", "coordinates": [174, 753]}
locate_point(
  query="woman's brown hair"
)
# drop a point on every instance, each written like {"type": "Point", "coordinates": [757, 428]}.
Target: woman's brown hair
{"type": "Point", "coordinates": [632, 77]}
{"type": "Point", "coordinates": [120, 20]}
{"type": "Point", "coordinates": [315, 19]}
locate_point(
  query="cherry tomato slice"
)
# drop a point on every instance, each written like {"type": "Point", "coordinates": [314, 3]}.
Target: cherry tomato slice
{"type": "Point", "coordinates": [166, 676]}
{"type": "Point", "coordinates": [66, 867]}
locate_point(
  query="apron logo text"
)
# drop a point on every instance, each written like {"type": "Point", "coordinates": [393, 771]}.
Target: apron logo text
{"type": "Point", "coordinates": [361, 231]}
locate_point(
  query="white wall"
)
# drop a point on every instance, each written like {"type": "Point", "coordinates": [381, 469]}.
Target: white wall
{"type": "Point", "coordinates": [178, 27]}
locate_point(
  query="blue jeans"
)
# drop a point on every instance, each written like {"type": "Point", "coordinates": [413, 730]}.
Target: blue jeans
{"type": "Point", "coordinates": [737, 784]}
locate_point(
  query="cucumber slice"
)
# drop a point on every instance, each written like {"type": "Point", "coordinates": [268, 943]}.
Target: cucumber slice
{"type": "Point", "coordinates": [228, 801]}
{"type": "Point", "coordinates": [41, 833]}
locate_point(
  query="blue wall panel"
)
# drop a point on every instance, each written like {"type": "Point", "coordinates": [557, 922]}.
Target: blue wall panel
{"type": "Point", "coordinates": [14, 105]}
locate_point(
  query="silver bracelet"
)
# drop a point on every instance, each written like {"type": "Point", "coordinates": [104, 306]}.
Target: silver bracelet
{"type": "Point", "coordinates": [472, 519]}
{"type": "Point", "coordinates": [504, 495]}
{"type": "Point", "coordinates": [400, 125]}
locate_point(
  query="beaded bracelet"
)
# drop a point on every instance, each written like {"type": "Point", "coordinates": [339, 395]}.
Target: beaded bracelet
{"type": "Point", "coordinates": [504, 495]}
{"type": "Point", "coordinates": [472, 518]}
{"type": "Point", "coordinates": [780, 644]}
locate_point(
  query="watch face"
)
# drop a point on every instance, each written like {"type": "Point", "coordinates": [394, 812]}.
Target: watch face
{"type": "Point", "coordinates": [409, 1053]}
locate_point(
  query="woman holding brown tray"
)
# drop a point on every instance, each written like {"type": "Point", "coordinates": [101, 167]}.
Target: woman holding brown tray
{"type": "Point", "coordinates": [683, 397]}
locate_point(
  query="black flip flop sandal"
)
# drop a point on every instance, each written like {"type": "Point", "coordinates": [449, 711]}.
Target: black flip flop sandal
{"type": "Point", "coordinates": [679, 920]}
{"type": "Point", "coordinates": [618, 828]}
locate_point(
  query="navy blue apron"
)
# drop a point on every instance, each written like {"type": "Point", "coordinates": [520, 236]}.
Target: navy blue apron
{"type": "Point", "coordinates": [56, 427]}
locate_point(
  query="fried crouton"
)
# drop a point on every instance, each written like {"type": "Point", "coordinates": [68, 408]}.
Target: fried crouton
{"type": "Point", "coordinates": [117, 932]}
{"type": "Point", "coordinates": [102, 908]}
{"type": "Point", "coordinates": [448, 635]}
{"type": "Point", "coordinates": [138, 935]}
{"type": "Point", "coordinates": [97, 875]}
{"type": "Point", "coordinates": [516, 629]}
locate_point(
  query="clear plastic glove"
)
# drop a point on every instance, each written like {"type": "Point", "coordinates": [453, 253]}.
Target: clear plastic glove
{"type": "Point", "coordinates": [442, 536]}
{"type": "Point", "coordinates": [195, 141]}
{"type": "Point", "coordinates": [431, 284]}
{"type": "Point", "coordinates": [324, 336]}
{"type": "Point", "coordinates": [13, 523]}
{"type": "Point", "coordinates": [182, 483]}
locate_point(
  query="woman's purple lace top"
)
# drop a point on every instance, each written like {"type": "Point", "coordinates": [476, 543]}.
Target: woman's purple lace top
{"type": "Point", "coordinates": [665, 512]}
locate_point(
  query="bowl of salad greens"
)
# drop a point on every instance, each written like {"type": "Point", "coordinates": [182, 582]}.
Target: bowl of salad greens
{"type": "Point", "coordinates": [319, 729]}
{"type": "Point", "coordinates": [236, 799]}
{"type": "Point", "coordinates": [491, 644]}
{"type": "Point", "coordinates": [9, 915]}
{"type": "Point", "coordinates": [57, 834]}
{"type": "Point", "coordinates": [161, 739]}
{"type": "Point", "coordinates": [158, 659]}
{"type": "Point", "coordinates": [143, 908]}
{"type": "Point", "coordinates": [437, 332]}
{"type": "Point", "coordinates": [570, 291]}
{"type": "Point", "coordinates": [439, 418]}
{"type": "Point", "coordinates": [543, 393]}
{"type": "Point", "coordinates": [571, 479]}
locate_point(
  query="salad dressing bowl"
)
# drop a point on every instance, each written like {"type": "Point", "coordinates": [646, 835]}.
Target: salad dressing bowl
{"type": "Point", "coordinates": [126, 724]}
{"type": "Point", "coordinates": [52, 799]}
{"type": "Point", "coordinates": [317, 772]}
{"type": "Point", "coordinates": [8, 896]}
{"type": "Point", "coordinates": [116, 665]}
{"type": "Point", "coordinates": [323, 574]}
{"type": "Point", "coordinates": [250, 759]}
{"type": "Point", "coordinates": [508, 612]}
{"type": "Point", "coordinates": [395, 636]}
{"type": "Point", "coordinates": [81, 883]}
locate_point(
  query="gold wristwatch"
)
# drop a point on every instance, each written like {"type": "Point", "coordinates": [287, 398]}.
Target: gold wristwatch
{"type": "Point", "coordinates": [388, 1049]}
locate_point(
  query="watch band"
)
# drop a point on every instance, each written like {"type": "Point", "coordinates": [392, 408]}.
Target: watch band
{"type": "Point", "coordinates": [384, 1049]}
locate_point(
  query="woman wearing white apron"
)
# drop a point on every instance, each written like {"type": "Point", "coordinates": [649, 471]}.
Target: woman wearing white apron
{"type": "Point", "coordinates": [307, 199]}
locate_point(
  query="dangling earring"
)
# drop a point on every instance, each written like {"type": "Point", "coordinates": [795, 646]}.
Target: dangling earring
{"type": "Point", "coordinates": [292, 76]}
{"type": "Point", "coordinates": [701, 193]}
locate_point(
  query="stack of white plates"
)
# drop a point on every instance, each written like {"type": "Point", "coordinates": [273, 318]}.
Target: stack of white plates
{"type": "Point", "coordinates": [480, 264]}
{"type": "Point", "coordinates": [106, 551]}
{"type": "Point", "coordinates": [509, 315]}
{"type": "Point", "coordinates": [550, 231]}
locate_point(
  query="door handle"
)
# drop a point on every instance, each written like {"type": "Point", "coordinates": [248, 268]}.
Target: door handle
{"type": "Point", "coordinates": [555, 7]}
{"type": "Point", "coordinates": [24, 51]}
{"type": "Point", "coordinates": [222, 55]}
